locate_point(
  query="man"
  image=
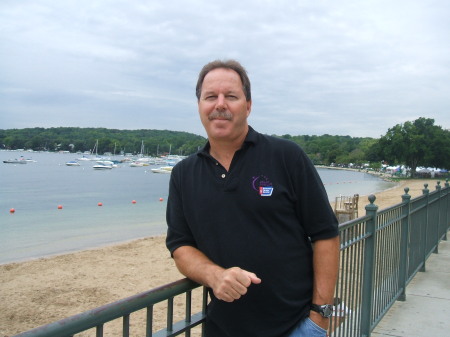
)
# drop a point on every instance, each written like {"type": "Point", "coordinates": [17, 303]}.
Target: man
{"type": "Point", "coordinates": [249, 218]}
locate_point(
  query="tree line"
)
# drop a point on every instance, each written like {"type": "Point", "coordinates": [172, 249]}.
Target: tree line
{"type": "Point", "coordinates": [414, 143]}
{"type": "Point", "coordinates": [74, 139]}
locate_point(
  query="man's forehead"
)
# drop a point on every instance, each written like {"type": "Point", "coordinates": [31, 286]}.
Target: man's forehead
{"type": "Point", "coordinates": [222, 73]}
{"type": "Point", "coordinates": [221, 76]}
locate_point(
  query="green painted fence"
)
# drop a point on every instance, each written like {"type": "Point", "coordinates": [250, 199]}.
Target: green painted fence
{"type": "Point", "coordinates": [380, 254]}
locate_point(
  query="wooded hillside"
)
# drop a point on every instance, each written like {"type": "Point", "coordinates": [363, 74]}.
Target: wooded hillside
{"type": "Point", "coordinates": [416, 143]}
{"type": "Point", "coordinates": [109, 140]}
{"type": "Point", "coordinates": [324, 149]}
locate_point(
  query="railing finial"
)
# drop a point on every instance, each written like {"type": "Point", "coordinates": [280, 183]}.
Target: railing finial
{"type": "Point", "coordinates": [371, 207]}
{"type": "Point", "coordinates": [406, 197]}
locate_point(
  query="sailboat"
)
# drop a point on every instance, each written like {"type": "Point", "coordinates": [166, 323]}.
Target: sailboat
{"type": "Point", "coordinates": [142, 161]}
{"type": "Point", "coordinates": [95, 150]}
{"type": "Point", "coordinates": [142, 149]}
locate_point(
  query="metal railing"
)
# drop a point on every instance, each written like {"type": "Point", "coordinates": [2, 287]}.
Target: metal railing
{"type": "Point", "coordinates": [380, 254]}
{"type": "Point", "coordinates": [97, 318]}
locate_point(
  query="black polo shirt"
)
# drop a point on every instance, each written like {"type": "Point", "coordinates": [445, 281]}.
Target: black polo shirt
{"type": "Point", "coordinates": [260, 216]}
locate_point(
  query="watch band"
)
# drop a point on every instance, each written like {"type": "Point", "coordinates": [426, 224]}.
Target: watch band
{"type": "Point", "coordinates": [326, 310]}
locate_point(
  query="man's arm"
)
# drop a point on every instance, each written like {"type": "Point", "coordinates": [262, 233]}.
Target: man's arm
{"type": "Point", "coordinates": [326, 268]}
{"type": "Point", "coordinates": [228, 284]}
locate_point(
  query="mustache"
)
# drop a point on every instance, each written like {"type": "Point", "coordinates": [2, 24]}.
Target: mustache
{"type": "Point", "coordinates": [220, 114]}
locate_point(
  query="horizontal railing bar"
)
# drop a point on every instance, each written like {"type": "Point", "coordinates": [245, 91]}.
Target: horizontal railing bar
{"type": "Point", "coordinates": [351, 223]}
{"type": "Point", "coordinates": [181, 326]}
{"type": "Point", "coordinates": [389, 209]}
{"type": "Point", "coordinates": [92, 318]}
{"type": "Point", "coordinates": [390, 222]}
{"type": "Point", "coordinates": [417, 209]}
{"type": "Point", "coordinates": [353, 242]}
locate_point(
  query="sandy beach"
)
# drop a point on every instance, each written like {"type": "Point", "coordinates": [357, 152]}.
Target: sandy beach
{"type": "Point", "coordinates": [41, 291]}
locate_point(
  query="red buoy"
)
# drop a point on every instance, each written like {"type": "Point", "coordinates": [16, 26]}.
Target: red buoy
{"type": "Point", "coordinates": [12, 210]}
{"type": "Point", "coordinates": [133, 202]}
{"type": "Point", "coordinates": [59, 206]}
{"type": "Point", "coordinates": [161, 199]}
{"type": "Point", "coordinates": [100, 204]}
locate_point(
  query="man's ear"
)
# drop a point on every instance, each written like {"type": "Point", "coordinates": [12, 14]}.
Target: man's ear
{"type": "Point", "coordinates": [249, 107]}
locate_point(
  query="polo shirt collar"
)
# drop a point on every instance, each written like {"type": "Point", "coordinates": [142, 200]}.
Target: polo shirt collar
{"type": "Point", "coordinates": [251, 138]}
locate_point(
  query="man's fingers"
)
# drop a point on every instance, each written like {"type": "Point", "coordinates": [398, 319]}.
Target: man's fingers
{"type": "Point", "coordinates": [254, 279]}
{"type": "Point", "coordinates": [234, 284]}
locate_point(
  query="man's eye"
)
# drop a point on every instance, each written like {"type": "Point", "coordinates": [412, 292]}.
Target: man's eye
{"type": "Point", "coordinates": [209, 98]}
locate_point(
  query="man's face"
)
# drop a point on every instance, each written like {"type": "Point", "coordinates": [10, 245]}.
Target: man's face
{"type": "Point", "coordinates": [222, 106]}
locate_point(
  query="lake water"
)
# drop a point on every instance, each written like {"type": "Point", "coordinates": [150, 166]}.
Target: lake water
{"type": "Point", "coordinates": [38, 228]}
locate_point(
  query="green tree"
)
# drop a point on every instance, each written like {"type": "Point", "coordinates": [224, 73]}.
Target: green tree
{"type": "Point", "coordinates": [417, 143]}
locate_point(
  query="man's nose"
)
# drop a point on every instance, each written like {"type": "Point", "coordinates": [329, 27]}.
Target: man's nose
{"type": "Point", "coordinates": [221, 104]}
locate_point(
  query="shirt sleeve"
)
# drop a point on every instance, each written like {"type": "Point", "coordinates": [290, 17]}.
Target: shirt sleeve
{"type": "Point", "coordinates": [313, 207]}
{"type": "Point", "coordinates": [178, 231]}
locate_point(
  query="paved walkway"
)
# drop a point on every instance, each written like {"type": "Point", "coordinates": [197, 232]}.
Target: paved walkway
{"type": "Point", "coordinates": [426, 311]}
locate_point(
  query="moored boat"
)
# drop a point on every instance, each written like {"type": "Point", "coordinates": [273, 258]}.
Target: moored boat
{"type": "Point", "coordinates": [163, 169]}
{"type": "Point", "coordinates": [139, 164]}
{"type": "Point", "coordinates": [104, 165]}
{"type": "Point", "coordinates": [15, 161]}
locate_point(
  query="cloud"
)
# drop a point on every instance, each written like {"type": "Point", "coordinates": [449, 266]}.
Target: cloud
{"type": "Point", "coordinates": [343, 67]}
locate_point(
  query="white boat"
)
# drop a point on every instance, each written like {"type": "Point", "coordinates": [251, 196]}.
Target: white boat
{"type": "Point", "coordinates": [104, 165]}
{"type": "Point", "coordinates": [137, 164]}
{"type": "Point", "coordinates": [106, 162]}
{"type": "Point", "coordinates": [163, 169]}
{"type": "Point", "coordinates": [15, 161]}
{"type": "Point", "coordinates": [174, 159]}
{"type": "Point", "coordinates": [73, 163]}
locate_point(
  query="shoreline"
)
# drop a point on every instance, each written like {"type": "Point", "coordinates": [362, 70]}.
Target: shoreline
{"type": "Point", "coordinates": [43, 290]}
{"type": "Point", "coordinates": [94, 246]}
{"type": "Point", "coordinates": [380, 175]}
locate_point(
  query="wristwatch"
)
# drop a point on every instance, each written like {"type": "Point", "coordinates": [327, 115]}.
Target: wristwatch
{"type": "Point", "coordinates": [325, 310]}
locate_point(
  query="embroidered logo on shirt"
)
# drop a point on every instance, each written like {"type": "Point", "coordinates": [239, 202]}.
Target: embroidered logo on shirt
{"type": "Point", "coordinates": [265, 191]}
{"type": "Point", "coordinates": [262, 185]}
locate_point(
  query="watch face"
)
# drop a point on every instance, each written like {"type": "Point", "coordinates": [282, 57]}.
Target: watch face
{"type": "Point", "coordinates": [327, 310]}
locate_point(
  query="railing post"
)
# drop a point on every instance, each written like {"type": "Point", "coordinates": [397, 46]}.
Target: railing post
{"type": "Point", "coordinates": [438, 223]}
{"type": "Point", "coordinates": [368, 268]}
{"type": "Point", "coordinates": [447, 209]}
{"type": "Point", "coordinates": [424, 228]}
{"type": "Point", "coordinates": [404, 244]}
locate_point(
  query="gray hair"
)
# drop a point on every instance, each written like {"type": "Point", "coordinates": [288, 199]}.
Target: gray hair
{"type": "Point", "coordinates": [228, 64]}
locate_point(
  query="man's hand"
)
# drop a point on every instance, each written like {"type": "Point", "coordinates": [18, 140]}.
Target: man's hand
{"type": "Point", "coordinates": [227, 284]}
{"type": "Point", "coordinates": [230, 284]}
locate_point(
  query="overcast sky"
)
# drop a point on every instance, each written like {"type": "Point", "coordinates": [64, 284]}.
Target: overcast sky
{"type": "Point", "coordinates": [317, 67]}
